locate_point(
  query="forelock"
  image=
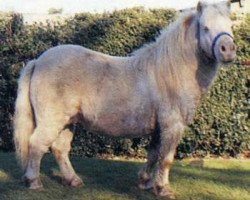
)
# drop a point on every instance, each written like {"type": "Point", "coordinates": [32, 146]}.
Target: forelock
{"type": "Point", "coordinates": [219, 9]}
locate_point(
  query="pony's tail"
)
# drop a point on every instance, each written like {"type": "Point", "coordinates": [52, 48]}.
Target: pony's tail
{"type": "Point", "coordinates": [23, 119]}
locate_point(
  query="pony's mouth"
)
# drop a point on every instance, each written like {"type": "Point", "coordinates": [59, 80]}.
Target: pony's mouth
{"type": "Point", "coordinates": [227, 59]}
{"type": "Point", "coordinates": [227, 62]}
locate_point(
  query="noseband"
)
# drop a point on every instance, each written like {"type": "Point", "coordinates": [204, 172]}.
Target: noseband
{"type": "Point", "coordinates": [216, 39]}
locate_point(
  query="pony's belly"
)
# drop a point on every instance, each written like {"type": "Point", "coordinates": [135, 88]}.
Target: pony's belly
{"type": "Point", "coordinates": [113, 124]}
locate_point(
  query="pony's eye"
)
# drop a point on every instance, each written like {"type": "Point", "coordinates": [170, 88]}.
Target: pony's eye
{"type": "Point", "coordinates": [206, 29]}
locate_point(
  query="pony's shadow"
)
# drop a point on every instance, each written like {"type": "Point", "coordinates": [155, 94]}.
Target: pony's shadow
{"type": "Point", "coordinates": [119, 177]}
{"type": "Point", "coordinates": [9, 165]}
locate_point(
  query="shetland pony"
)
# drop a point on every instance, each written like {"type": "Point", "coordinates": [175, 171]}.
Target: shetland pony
{"type": "Point", "coordinates": [155, 91]}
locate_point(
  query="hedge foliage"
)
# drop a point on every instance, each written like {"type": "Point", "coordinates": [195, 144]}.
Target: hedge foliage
{"type": "Point", "coordinates": [221, 125]}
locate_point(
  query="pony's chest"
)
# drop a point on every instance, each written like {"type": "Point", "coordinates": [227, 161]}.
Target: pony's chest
{"type": "Point", "coordinates": [188, 104]}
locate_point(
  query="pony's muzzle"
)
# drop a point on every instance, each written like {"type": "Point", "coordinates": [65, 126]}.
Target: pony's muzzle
{"type": "Point", "coordinates": [227, 50]}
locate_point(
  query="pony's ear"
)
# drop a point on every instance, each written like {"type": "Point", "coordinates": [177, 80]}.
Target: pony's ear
{"type": "Point", "coordinates": [187, 23]}
{"type": "Point", "coordinates": [228, 4]}
{"type": "Point", "coordinates": [200, 6]}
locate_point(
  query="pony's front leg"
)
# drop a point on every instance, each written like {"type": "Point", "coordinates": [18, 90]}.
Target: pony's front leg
{"type": "Point", "coordinates": [170, 137]}
{"type": "Point", "coordinates": [146, 172]}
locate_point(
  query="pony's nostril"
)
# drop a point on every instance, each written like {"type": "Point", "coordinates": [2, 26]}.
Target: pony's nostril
{"type": "Point", "coordinates": [223, 48]}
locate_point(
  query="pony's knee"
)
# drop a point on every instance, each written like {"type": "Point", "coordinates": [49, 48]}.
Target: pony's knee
{"type": "Point", "coordinates": [171, 137]}
{"type": "Point", "coordinates": [176, 129]}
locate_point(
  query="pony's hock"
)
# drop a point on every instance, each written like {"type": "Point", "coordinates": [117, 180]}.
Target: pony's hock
{"type": "Point", "coordinates": [153, 92]}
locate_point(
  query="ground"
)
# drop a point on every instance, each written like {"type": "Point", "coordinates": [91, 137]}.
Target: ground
{"type": "Point", "coordinates": [209, 179]}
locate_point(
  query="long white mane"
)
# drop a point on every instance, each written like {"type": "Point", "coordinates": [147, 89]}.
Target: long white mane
{"type": "Point", "coordinates": [172, 52]}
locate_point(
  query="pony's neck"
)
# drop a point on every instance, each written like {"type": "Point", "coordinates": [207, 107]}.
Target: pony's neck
{"type": "Point", "coordinates": [206, 71]}
{"type": "Point", "coordinates": [175, 57]}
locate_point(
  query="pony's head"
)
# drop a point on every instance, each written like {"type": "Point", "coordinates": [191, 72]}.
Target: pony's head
{"type": "Point", "coordinates": [215, 31]}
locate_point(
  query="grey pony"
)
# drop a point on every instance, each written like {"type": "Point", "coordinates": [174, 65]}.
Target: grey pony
{"type": "Point", "coordinates": [153, 92]}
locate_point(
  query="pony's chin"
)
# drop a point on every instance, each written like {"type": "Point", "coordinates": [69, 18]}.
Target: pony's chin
{"type": "Point", "coordinates": [225, 64]}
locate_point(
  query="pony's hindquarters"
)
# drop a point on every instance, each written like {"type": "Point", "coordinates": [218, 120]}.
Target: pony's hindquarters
{"type": "Point", "coordinates": [23, 118]}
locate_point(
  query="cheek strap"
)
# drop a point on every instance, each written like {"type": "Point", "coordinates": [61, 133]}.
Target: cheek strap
{"type": "Point", "coordinates": [216, 39]}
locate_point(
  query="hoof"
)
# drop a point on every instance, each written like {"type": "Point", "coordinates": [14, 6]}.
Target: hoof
{"type": "Point", "coordinates": [145, 182]}
{"type": "Point", "coordinates": [164, 191]}
{"type": "Point", "coordinates": [33, 184]}
{"type": "Point", "coordinates": [146, 186]}
{"type": "Point", "coordinates": [74, 182]}
{"type": "Point", "coordinates": [143, 176]}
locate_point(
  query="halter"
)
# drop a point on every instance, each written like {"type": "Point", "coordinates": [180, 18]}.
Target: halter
{"type": "Point", "coordinates": [215, 40]}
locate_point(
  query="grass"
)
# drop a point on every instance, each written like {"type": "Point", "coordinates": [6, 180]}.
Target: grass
{"type": "Point", "coordinates": [211, 179]}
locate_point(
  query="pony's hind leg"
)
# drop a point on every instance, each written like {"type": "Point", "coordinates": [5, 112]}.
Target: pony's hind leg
{"type": "Point", "coordinates": [40, 141]}
{"type": "Point", "coordinates": [60, 148]}
{"type": "Point", "coordinates": [146, 172]}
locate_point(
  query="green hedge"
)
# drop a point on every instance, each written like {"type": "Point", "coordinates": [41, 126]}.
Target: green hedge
{"type": "Point", "coordinates": [221, 124]}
